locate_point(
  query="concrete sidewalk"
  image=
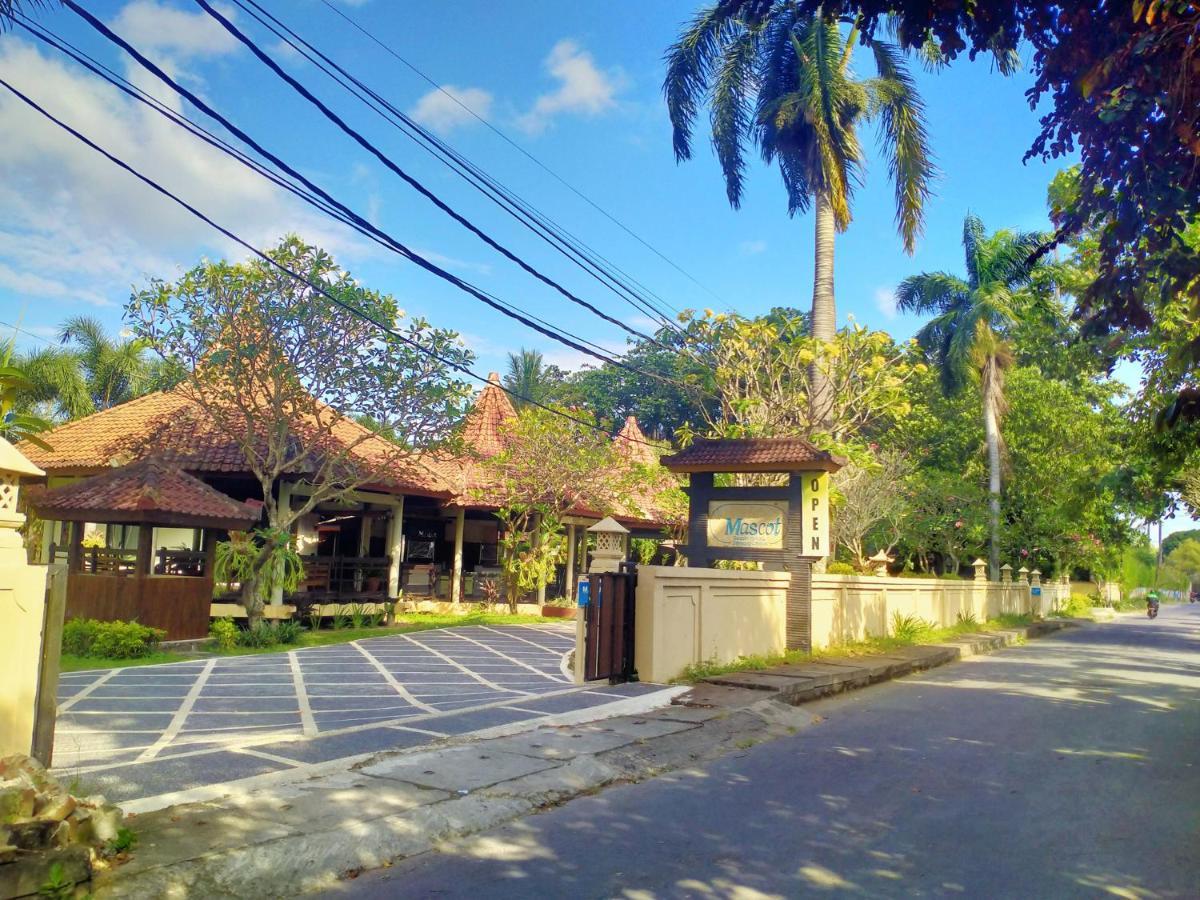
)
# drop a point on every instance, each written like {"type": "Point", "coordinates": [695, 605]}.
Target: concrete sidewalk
{"type": "Point", "coordinates": [299, 836]}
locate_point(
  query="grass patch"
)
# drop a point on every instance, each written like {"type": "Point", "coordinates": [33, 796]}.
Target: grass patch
{"type": "Point", "coordinates": [405, 624]}
{"type": "Point", "coordinates": [916, 633]}
{"type": "Point", "coordinates": [72, 663]}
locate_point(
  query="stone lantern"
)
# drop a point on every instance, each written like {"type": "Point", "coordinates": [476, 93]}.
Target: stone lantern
{"type": "Point", "coordinates": [880, 562]}
{"type": "Point", "coordinates": [13, 466]}
{"type": "Point", "coordinates": [980, 567]}
{"type": "Point", "coordinates": [1006, 574]}
{"type": "Point", "coordinates": [1023, 575]}
{"type": "Point", "coordinates": [1035, 577]}
{"type": "Point", "coordinates": [610, 545]}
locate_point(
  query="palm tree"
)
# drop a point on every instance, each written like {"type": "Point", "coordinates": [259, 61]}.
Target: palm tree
{"type": "Point", "coordinates": [528, 377]}
{"type": "Point", "coordinates": [966, 337]}
{"type": "Point", "coordinates": [16, 424]}
{"type": "Point", "coordinates": [91, 371]}
{"type": "Point", "coordinates": [781, 80]}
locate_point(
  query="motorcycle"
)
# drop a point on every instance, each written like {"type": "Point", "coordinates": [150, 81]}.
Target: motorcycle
{"type": "Point", "coordinates": [1152, 609]}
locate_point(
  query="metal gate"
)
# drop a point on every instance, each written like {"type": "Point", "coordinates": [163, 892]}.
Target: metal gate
{"type": "Point", "coordinates": [608, 625]}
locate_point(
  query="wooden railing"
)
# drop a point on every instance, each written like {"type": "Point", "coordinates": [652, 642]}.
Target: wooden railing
{"type": "Point", "coordinates": [337, 577]}
{"type": "Point", "coordinates": [180, 562]}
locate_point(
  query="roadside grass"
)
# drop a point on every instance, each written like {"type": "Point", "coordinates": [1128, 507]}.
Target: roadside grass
{"type": "Point", "coordinates": [915, 632]}
{"type": "Point", "coordinates": [405, 624]}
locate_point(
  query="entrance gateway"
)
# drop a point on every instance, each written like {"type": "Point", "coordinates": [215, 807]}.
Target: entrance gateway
{"type": "Point", "coordinates": [785, 527]}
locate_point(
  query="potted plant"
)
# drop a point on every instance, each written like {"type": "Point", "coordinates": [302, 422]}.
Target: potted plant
{"type": "Point", "coordinates": [559, 608]}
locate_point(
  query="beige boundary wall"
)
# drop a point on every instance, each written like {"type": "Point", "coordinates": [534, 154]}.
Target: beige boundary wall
{"type": "Point", "coordinates": [686, 616]}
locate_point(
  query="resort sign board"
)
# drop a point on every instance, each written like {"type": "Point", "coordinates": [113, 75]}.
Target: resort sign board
{"type": "Point", "coordinates": [756, 525]}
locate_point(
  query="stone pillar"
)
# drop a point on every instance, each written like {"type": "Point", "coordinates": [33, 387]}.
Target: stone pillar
{"type": "Point", "coordinates": [456, 574]}
{"type": "Point", "coordinates": [22, 615]}
{"type": "Point", "coordinates": [1035, 578]}
{"type": "Point", "coordinates": [569, 585]}
{"type": "Point", "coordinates": [395, 547]}
{"type": "Point", "coordinates": [285, 506]}
{"type": "Point", "coordinates": [980, 567]}
{"type": "Point", "coordinates": [610, 545]}
{"type": "Point", "coordinates": [1022, 575]}
{"type": "Point", "coordinates": [1006, 574]}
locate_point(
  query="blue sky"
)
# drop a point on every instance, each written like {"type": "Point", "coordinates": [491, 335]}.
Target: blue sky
{"type": "Point", "coordinates": [575, 84]}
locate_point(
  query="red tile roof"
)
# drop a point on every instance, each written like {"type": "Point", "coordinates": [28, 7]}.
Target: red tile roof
{"type": "Point", "coordinates": [152, 491]}
{"type": "Point", "coordinates": [752, 455]}
{"type": "Point", "coordinates": [633, 444]}
{"type": "Point", "coordinates": [483, 428]}
{"type": "Point", "coordinates": [170, 425]}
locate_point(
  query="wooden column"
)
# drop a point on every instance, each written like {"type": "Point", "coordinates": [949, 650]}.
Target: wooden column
{"type": "Point", "coordinates": [75, 547]}
{"type": "Point", "coordinates": [395, 547]}
{"type": "Point", "coordinates": [144, 564]}
{"type": "Point", "coordinates": [799, 595]}
{"type": "Point", "coordinates": [569, 586]}
{"type": "Point", "coordinates": [460, 523]}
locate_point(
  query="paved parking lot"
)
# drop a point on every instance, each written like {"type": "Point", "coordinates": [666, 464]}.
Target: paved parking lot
{"type": "Point", "coordinates": [142, 732]}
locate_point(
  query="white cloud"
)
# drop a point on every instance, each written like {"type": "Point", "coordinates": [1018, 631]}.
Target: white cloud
{"type": "Point", "coordinates": [752, 248]}
{"type": "Point", "coordinates": [155, 26]}
{"type": "Point", "coordinates": [441, 109]}
{"type": "Point", "coordinates": [74, 228]}
{"type": "Point", "coordinates": [583, 88]}
{"type": "Point", "coordinates": [885, 301]}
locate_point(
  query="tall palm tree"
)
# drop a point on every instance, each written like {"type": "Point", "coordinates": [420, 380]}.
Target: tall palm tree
{"type": "Point", "coordinates": [91, 370]}
{"type": "Point", "coordinates": [528, 377]}
{"type": "Point", "coordinates": [966, 336]}
{"type": "Point", "coordinates": [16, 423]}
{"type": "Point", "coordinates": [780, 80]}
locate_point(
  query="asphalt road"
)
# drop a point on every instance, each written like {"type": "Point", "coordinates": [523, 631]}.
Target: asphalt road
{"type": "Point", "coordinates": [1069, 767]}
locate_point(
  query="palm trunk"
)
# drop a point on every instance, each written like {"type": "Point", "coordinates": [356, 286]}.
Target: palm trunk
{"type": "Point", "coordinates": [991, 432]}
{"type": "Point", "coordinates": [824, 313]}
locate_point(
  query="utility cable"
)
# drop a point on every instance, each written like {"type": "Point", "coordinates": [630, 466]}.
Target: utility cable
{"type": "Point", "coordinates": [198, 131]}
{"type": "Point", "coordinates": [349, 307]}
{"type": "Point", "coordinates": [388, 163]}
{"type": "Point", "coordinates": [392, 242]}
{"type": "Point", "coordinates": [537, 162]}
{"type": "Point", "coordinates": [524, 212]}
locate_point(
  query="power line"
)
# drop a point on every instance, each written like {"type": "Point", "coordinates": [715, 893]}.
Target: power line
{"type": "Point", "coordinates": [537, 162]}
{"type": "Point", "coordinates": [558, 237]}
{"type": "Point", "coordinates": [393, 244]}
{"type": "Point", "coordinates": [349, 307]}
{"type": "Point", "coordinates": [27, 333]}
{"type": "Point", "coordinates": [144, 97]}
{"type": "Point", "coordinates": [362, 141]}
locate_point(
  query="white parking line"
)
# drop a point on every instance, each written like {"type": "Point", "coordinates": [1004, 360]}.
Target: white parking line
{"type": "Point", "coordinates": [552, 652]}
{"type": "Point", "coordinates": [511, 659]}
{"type": "Point", "coordinates": [181, 715]}
{"type": "Point", "coordinates": [391, 679]}
{"type": "Point", "coordinates": [308, 726]}
{"type": "Point", "coordinates": [63, 707]}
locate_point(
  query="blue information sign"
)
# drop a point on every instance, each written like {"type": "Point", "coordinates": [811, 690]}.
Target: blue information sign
{"type": "Point", "coordinates": [585, 592]}
{"type": "Point", "coordinates": [1035, 591]}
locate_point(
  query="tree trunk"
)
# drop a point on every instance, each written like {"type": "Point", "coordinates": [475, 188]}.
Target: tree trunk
{"type": "Point", "coordinates": [824, 313]}
{"type": "Point", "coordinates": [991, 431]}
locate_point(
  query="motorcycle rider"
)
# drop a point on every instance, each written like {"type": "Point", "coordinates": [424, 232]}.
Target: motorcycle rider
{"type": "Point", "coordinates": [1152, 601]}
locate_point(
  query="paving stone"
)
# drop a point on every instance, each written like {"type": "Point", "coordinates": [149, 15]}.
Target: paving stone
{"type": "Point", "coordinates": [160, 776]}
{"type": "Point", "coordinates": [338, 746]}
{"type": "Point", "coordinates": [563, 702]}
{"type": "Point", "coordinates": [562, 743]}
{"type": "Point", "coordinates": [718, 696]}
{"type": "Point", "coordinates": [457, 769]}
{"type": "Point", "coordinates": [475, 720]}
{"type": "Point", "coordinates": [924, 657]}
{"type": "Point", "coordinates": [755, 681]}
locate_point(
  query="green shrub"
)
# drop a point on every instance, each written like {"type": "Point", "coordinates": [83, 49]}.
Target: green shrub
{"type": "Point", "coordinates": [341, 619]}
{"type": "Point", "coordinates": [125, 640]}
{"type": "Point", "coordinates": [910, 628]}
{"type": "Point", "coordinates": [314, 619]}
{"type": "Point", "coordinates": [263, 634]}
{"type": "Point", "coordinates": [288, 631]}
{"type": "Point", "coordinates": [840, 568]}
{"type": "Point", "coordinates": [78, 635]}
{"type": "Point", "coordinates": [967, 620]}
{"type": "Point", "coordinates": [223, 634]}
{"type": "Point", "coordinates": [359, 615]}
{"type": "Point", "coordinates": [1077, 606]}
